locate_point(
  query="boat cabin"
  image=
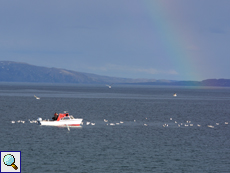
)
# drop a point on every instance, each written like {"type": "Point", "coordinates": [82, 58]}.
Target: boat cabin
{"type": "Point", "coordinates": [62, 116]}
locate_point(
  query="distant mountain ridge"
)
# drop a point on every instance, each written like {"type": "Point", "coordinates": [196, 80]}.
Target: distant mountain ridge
{"type": "Point", "coordinates": [23, 72]}
{"type": "Point", "coordinates": [207, 82]}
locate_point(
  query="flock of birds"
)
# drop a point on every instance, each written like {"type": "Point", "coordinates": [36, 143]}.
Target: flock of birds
{"type": "Point", "coordinates": [172, 124]}
{"type": "Point", "coordinates": [185, 124]}
{"type": "Point", "coordinates": [106, 121]}
{"type": "Point", "coordinates": [121, 122]}
{"type": "Point", "coordinates": [190, 124]}
{"type": "Point", "coordinates": [21, 121]}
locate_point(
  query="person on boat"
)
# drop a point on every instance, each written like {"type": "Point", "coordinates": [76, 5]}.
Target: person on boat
{"type": "Point", "coordinates": [55, 116]}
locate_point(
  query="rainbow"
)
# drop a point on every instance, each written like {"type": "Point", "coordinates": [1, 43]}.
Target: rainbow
{"type": "Point", "coordinates": [176, 40]}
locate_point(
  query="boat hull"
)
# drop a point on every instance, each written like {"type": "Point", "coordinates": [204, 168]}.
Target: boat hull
{"type": "Point", "coordinates": [73, 122]}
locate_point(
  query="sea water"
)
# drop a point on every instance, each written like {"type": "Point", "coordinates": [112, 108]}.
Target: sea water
{"type": "Point", "coordinates": [137, 128]}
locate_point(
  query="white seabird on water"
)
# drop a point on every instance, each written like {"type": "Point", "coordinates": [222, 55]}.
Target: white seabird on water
{"type": "Point", "coordinates": [165, 125]}
{"type": "Point", "coordinates": [36, 97]}
{"type": "Point", "coordinates": [210, 126]}
{"type": "Point", "coordinates": [175, 94]}
{"type": "Point", "coordinates": [110, 86]}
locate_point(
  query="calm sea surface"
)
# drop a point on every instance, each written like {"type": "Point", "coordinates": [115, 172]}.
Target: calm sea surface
{"type": "Point", "coordinates": [159, 133]}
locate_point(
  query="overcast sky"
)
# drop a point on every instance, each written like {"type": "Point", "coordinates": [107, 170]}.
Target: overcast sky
{"type": "Point", "coordinates": [157, 39]}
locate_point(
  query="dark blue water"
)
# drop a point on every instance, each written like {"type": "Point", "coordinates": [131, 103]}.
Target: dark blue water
{"type": "Point", "coordinates": [149, 140]}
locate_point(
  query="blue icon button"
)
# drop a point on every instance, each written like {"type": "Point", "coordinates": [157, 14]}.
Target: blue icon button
{"type": "Point", "coordinates": [9, 160]}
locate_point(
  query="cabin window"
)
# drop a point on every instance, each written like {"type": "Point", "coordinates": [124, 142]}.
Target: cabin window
{"type": "Point", "coordinates": [65, 118]}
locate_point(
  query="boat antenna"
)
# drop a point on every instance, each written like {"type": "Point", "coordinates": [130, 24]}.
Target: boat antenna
{"type": "Point", "coordinates": [67, 127]}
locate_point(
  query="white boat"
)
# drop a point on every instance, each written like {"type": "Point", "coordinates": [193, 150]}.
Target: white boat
{"type": "Point", "coordinates": [64, 119]}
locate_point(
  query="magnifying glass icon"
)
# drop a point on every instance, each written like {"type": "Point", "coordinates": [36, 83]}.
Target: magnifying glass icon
{"type": "Point", "coordinates": [9, 160]}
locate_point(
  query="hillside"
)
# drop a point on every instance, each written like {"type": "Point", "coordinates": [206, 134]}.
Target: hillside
{"type": "Point", "coordinates": [207, 82]}
{"type": "Point", "coordinates": [22, 72]}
